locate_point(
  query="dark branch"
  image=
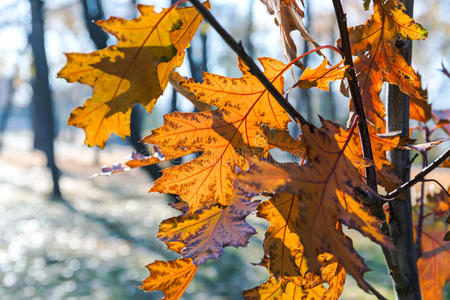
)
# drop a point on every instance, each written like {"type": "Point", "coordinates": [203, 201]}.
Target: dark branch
{"type": "Point", "coordinates": [419, 176]}
{"type": "Point", "coordinates": [254, 69]}
{"type": "Point", "coordinates": [355, 93]}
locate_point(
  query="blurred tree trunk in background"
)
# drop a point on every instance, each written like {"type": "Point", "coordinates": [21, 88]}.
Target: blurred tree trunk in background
{"type": "Point", "coordinates": [93, 11]}
{"type": "Point", "coordinates": [42, 104]}
{"type": "Point", "coordinates": [328, 107]}
{"type": "Point", "coordinates": [248, 34]}
{"type": "Point", "coordinates": [7, 109]}
{"type": "Point", "coordinates": [305, 94]}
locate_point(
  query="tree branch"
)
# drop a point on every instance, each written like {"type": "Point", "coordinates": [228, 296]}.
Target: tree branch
{"type": "Point", "coordinates": [254, 69]}
{"type": "Point", "coordinates": [355, 93]}
{"type": "Point", "coordinates": [419, 176]}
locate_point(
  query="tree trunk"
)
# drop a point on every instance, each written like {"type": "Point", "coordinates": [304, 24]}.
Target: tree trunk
{"type": "Point", "coordinates": [400, 219]}
{"type": "Point", "coordinates": [305, 94]}
{"type": "Point", "coordinates": [93, 11]}
{"type": "Point", "coordinates": [42, 104]}
{"type": "Point", "coordinates": [7, 109]}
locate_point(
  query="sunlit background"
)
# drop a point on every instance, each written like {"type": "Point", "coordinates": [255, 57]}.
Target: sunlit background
{"type": "Point", "coordinates": [96, 241]}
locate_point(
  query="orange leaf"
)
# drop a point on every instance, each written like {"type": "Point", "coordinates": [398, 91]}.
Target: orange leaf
{"type": "Point", "coordinates": [386, 174]}
{"type": "Point", "coordinates": [274, 289]}
{"type": "Point", "coordinates": [172, 277]}
{"type": "Point", "coordinates": [283, 247]}
{"type": "Point", "coordinates": [208, 231]}
{"type": "Point", "coordinates": [227, 136]}
{"type": "Point", "coordinates": [311, 287]}
{"type": "Point", "coordinates": [433, 265]}
{"type": "Point", "coordinates": [321, 77]}
{"type": "Point", "coordinates": [136, 70]}
{"type": "Point", "coordinates": [282, 140]}
{"type": "Point", "coordinates": [289, 17]}
{"type": "Point", "coordinates": [327, 197]}
{"type": "Point", "coordinates": [419, 110]}
{"type": "Point", "coordinates": [376, 43]}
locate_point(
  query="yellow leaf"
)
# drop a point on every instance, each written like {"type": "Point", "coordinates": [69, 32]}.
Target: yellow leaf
{"type": "Point", "coordinates": [386, 175]}
{"type": "Point", "coordinates": [377, 45]}
{"type": "Point", "coordinates": [227, 136]}
{"type": "Point", "coordinates": [321, 77]}
{"type": "Point", "coordinates": [433, 265]}
{"type": "Point", "coordinates": [172, 277]}
{"type": "Point", "coordinates": [136, 70]}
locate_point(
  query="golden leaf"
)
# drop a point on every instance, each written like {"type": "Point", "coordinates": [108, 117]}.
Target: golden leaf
{"type": "Point", "coordinates": [321, 77]}
{"type": "Point", "coordinates": [327, 197]}
{"type": "Point", "coordinates": [136, 70]}
{"type": "Point", "coordinates": [433, 265]}
{"type": "Point", "coordinates": [172, 277]}
{"type": "Point", "coordinates": [377, 44]}
{"type": "Point", "coordinates": [227, 136]}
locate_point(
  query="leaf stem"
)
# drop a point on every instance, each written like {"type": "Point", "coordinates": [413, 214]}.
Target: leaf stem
{"type": "Point", "coordinates": [312, 51]}
{"type": "Point", "coordinates": [254, 69]}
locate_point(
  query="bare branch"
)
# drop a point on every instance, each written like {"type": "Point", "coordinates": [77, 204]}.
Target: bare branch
{"type": "Point", "coordinates": [419, 176]}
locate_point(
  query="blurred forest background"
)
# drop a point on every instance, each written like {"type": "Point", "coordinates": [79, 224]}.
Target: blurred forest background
{"type": "Point", "coordinates": [64, 235]}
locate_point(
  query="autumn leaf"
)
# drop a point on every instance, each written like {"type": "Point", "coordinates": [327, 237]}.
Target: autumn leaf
{"type": "Point", "coordinates": [386, 174]}
{"type": "Point", "coordinates": [289, 17]}
{"type": "Point", "coordinates": [276, 290]}
{"type": "Point", "coordinates": [172, 277]}
{"type": "Point", "coordinates": [227, 136]}
{"type": "Point", "coordinates": [206, 232]}
{"type": "Point", "coordinates": [283, 247]}
{"type": "Point", "coordinates": [327, 197]}
{"type": "Point", "coordinates": [433, 265]}
{"type": "Point", "coordinates": [311, 288]}
{"type": "Point", "coordinates": [282, 140]}
{"type": "Point", "coordinates": [419, 110]}
{"type": "Point", "coordinates": [321, 77]}
{"type": "Point", "coordinates": [135, 70]}
{"type": "Point", "coordinates": [377, 45]}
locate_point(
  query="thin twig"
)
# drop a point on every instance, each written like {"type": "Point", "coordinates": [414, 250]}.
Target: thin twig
{"type": "Point", "coordinates": [438, 183]}
{"type": "Point", "coordinates": [254, 69]}
{"type": "Point", "coordinates": [419, 176]}
{"type": "Point", "coordinates": [355, 93]}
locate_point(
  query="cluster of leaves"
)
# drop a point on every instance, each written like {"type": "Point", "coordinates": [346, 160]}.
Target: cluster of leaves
{"type": "Point", "coordinates": [305, 249]}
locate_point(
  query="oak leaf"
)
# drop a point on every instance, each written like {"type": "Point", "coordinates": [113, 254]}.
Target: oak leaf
{"type": "Point", "coordinates": [172, 277]}
{"type": "Point", "coordinates": [206, 232]}
{"type": "Point", "coordinates": [327, 197]}
{"type": "Point", "coordinates": [227, 136]}
{"type": "Point", "coordinates": [135, 70]}
{"type": "Point", "coordinates": [289, 17]}
{"type": "Point", "coordinates": [377, 44]}
{"type": "Point", "coordinates": [311, 288]}
{"type": "Point", "coordinates": [283, 247]}
{"type": "Point", "coordinates": [433, 265]}
{"type": "Point", "coordinates": [386, 174]}
{"type": "Point", "coordinates": [274, 290]}
{"type": "Point", "coordinates": [321, 77]}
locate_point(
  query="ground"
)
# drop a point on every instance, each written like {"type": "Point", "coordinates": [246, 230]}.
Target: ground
{"type": "Point", "coordinates": [96, 243]}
